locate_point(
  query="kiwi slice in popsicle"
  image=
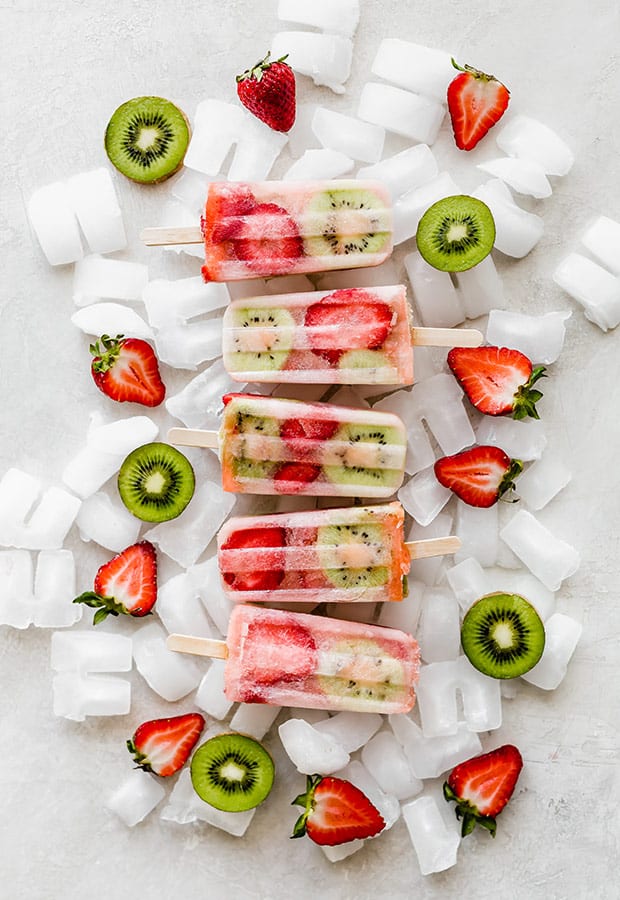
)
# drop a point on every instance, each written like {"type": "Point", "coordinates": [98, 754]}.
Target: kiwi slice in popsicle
{"type": "Point", "coordinates": [277, 343]}
{"type": "Point", "coordinates": [156, 482]}
{"type": "Point", "coordinates": [232, 772]}
{"type": "Point", "coordinates": [332, 213]}
{"type": "Point", "coordinates": [372, 474]}
{"type": "Point", "coordinates": [371, 676]}
{"type": "Point", "coordinates": [365, 541]}
{"type": "Point", "coordinates": [456, 233]}
{"type": "Point", "coordinates": [146, 139]}
{"type": "Point", "coordinates": [502, 635]}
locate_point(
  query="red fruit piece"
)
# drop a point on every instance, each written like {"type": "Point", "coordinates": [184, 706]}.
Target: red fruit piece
{"type": "Point", "coordinates": [335, 812]}
{"type": "Point", "coordinates": [294, 430]}
{"type": "Point", "coordinates": [476, 101]}
{"type": "Point", "coordinates": [268, 91]}
{"type": "Point", "coordinates": [497, 380]}
{"type": "Point", "coordinates": [126, 585]}
{"type": "Point", "coordinates": [260, 580]}
{"type": "Point", "coordinates": [268, 240]}
{"type": "Point", "coordinates": [292, 472]}
{"type": "Point", "coordinates": [480, 475]}
{"type": "Point", "coordinates": [126, 370]}
{"type": "Point", "coordinates": [163, 746]}
{"type": "Point", "coordinates": [363, 316]}
{"type": "Point", "coordinates": [236, 203]}
{"type": "Point", "coordinates": [482, 786]}
{"type": "Point", "coordinates": [279, 651]}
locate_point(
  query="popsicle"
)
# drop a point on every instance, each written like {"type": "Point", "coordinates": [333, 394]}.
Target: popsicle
{"type": "Point", "coordinates": [321, 555]}
{"type": "Point", "coordinates": [275, 446]}
{"type": "Point", "coordinates": [294, 659]}
{"type": "Point", "coordinates": [285, 227]}
{"type": "Point", "coordinates": [351, 336]}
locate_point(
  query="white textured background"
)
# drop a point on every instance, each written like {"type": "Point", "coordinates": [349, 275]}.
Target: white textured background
{"type": "Point", "coordinates": [66, 67]}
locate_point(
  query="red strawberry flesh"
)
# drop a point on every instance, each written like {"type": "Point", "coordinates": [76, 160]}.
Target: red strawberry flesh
{"type": "Point", "coordinates": [476, 101]}
{"type": "Point", "coordinates": [127, 584]}
{"type": "Point", "coordinates": [279, 651]}
{"type": "Point", "coordinates": [482, 786]}
{"type": "Point", "coordinates": [479, 476]}
{"type": "Point", "coordinates": [364, 317]}
{"type": "Point", "coordinates": [127, 370]}
{"type": "Point", "coordinates": [497, 380]}
{"type": "Point", "coordinates": [257, 580]}
{"type": "Point", "coordinates": [163, 746]}
{"type": "Point", "coordinates": [336, 812]}
{"type": "Point", "coordinates": [268, 240]}
{"type": "Point", "coordinates": [291, 476]}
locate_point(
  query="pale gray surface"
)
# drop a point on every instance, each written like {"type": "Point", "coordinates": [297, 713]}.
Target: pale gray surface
{"type": "Point", "coordinates": [66, 68]}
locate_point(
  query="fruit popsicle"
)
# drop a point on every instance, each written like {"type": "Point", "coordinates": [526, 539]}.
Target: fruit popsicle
{"type": "Point", "coordinates": [351, 336]}
{"type": "Point", "coordinates": [294, 659]}
{"type": "Point", "coordinates": [284, 227]}
{"type": "Point", "coordinates": [275, 446]}
{"type": "Point", "coordinates": [345, 555]}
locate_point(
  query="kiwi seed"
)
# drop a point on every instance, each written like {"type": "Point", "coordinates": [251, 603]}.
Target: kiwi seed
{"type": "Point", "coordinates": [276, 351]}
{"type": "Point", "coordinates": [329, 208]}
{"type": "Point", "coordinates": [156, 482]}
{"type": "Point", "coordinates": [232, 772]}
{"type": "Point", "coordinates": [456, 233]}
{"type": "Point", "coordinates": [371, 536]}
{"type": "Point", "coordinates": [372, 680]}
{"type": "Point", "coordinates": [371, 475]}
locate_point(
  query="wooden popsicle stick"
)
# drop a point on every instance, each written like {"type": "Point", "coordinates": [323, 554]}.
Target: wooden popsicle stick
{"type": "Point", "coordinates": [187, 643]}
{"type": "Point", "coordinates": [446, 337]}
{"type": "Point", "coordinates": [193, 437]}
{"type": "Point", "coordinates": [433, 547]}
{"type": "Point", "coordinates": [162, 237]}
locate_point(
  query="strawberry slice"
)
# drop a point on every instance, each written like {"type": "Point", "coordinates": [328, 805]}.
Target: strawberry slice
{"type": "Point", "coordinates": [126, 370]}
{"type": "Point", "coordinates": [295, 430]}
{"type": "Point", "coordinates": [268, 241]}
{"type": "Point", "coordinates": [497, 380]}
{"type": "Point", "coordinates": [482, 786]}
{"type": "Point", "coordinates": [126, 585]}
{"type": "Point", "coordinates": [476, 101]}
{"type": "Point", "coordinates": [239, 201]}
{"type": "Point", "coordinates": [293, 472]}
{"type": "Point", "coordinates": [259, 580]}
{"type": "Point", "coordinates": [336, 812]}
{"type": "Point", "coordinates": [480, 475]}
{"type": "Point", "coordinates": [282, 650]}
{"type": "Point", "coordinates": [163, 746]}
{"type": "Point", "coordinates": [366, 318]}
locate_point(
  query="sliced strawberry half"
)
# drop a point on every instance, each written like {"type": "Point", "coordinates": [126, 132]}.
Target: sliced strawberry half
{"type": "Point", "coordinates": [482, 786]}
{"type": "Point", "coordinates": [127, 370]}
{"type": "Point", "coordinates": [163, 746]}
{"type": "Point", "coordinates": [335, 812]}
{"type": "Point", "coordinates": [297, 432]}
{"type": "Point", "coordinates": [268, 241]}
{"type": "Point", "coordinates": [480, 475]}
{"type": "Point", "coordinates": [295, 473]}
{"type": "Point", "coordinates": [366, 319]}
{"type": "Point", "coordinates": [280, 650]}
{"type": "Point", "coordinates": [260, 580]}
{"type": "Point", "coordinates": [476, 101]}
{"type": "Point", "coordinates": [238, 202]}
{"type": "Point", "coordinates": [126, 585]}
{"type": "Point", "coordinates": [497, 380]}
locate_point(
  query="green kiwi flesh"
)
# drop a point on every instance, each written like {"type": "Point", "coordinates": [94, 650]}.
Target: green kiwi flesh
{"type": "Point", "coordinates": [381, 682]}
{"type": "Point", "coordinates": [156, 482]}
{"type": "Point", "coordinates": [232, 772]}
{"type": "Point", "coordinates": [274, 356]}
{"type": "Point", "coordinates": [326, 207]}
{"type": "Point", "coordinates": [365, 475]}
{"type": "Point", "coordinates": [364, 359]}
{"type": "Point", "coordinates": [146, 139]}
{"type": "Point", "coordinates": [369, 535]}
{"type": "Point", "coordinates": [502, 635]}
{"type": "Point", "coordinates": [456, 233]}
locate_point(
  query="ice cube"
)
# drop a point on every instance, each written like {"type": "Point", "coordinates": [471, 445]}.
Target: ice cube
{"type": "Point", "coordinates": [326, 58]}
{"type": "Point", "coordinates": [254, 719]}
{"type": "Point", "coordinates": [340, 18]}
{"type": "Point", "coordinates": [409, 209]}
{"type": "Point", "coordinates": [468, 581]}
{"type": "Point", "coordinates": [602, 239]}
{"type": "Point", "coordinates": [19, 492]}
{"type": "Point", "coordinates": [522, 439]}
{"type": "Point", "coordinates": [171, 675]}
{"type": "Point", "coordinates": [435, 845]}
{"type": "Point", "coordinates": [519, 581]}
{"type": "Point", "coordinates": [347, 396]}
{"type": "Point", "coordinates": [76, 695]}
{"type": "Point", "coordinates": [540, 338]}
{"type": "Point", "coordinates": [402, 112]}
{"type": "Point", "coordinates": [434, 293]}
{"type": "Point", "coordinates": [439, 633]}
{"type": "Point", "coordinates": [184, 298]}
{"type": "Point", "coordinates": [301, 137]}
{"type": "Point", "coordinates": [437, 698]}
{"type": "Point", "coordinates": [516, 231]}
{"type": "Point", "coordinates": [561, 638]}
{"type": "Point", "coordinates": [55, 224]}
{"type": "Point", "coordinates": [88, 651]}
{"type": "Point", "coordinates": [596, 289]}
{"type": "Point", "coordinates": [184, 806]}
{"type": "Point", "coordinates": [136, 797]}
{"type": "Point", "coordinates": [423, 496]}
{"type": "Point", "coordinates": [541, 481]}
{"type": "Point", "coordinates": [30, 518]}
{"type": "Point", "coordinates": [318, 164]}
{"type": "Point", "coordinates": [415, 67]}
{"type": "Point", "coordinates": [180, 609]}
{"type": "Point", "coordinates": [352, 730]}
{"type": "Point", "coordinates": [547, 557]}
{"type": "Point", "coordinates": [206, 578]}
{"type": "Point", "coordinates": [405, 613]}
{"type": "Point", "coordinates": [95, 203]}
{"type": "Point", "coordinates": [173, 214]}
{"type": "Point", "coordinates": [348, 135]}
{"type": "Point", "coordinates": [342, 851]}
{"type": "Point", "coordinates": [107, 522]}
{"type": "Point", "coordinates": [386, 804]}
{"type": "Point", "coordinates": [17, 604]}
{"type": "Point", "coordinates": [529, 139]}
{"type": "Point", "coordinates": [407, 170]}
{"type": "Point", "coordinates": [522, 175]}
{"type": "Point", "coordinates": [430, 757]}
{"type": "Point", "coordinates": [210, 695]}
{"type": "Point", "coordinates": [199, 403]}
{"type": "Point", "coordinates": [309, 750]}
{"type": "Point", "coordinates": [386, 761]}
{"type": "Point", "coordinates": [95, 277]}
{"type": "Point", "coordinates": [111, 318]}
{"type": "Point", "coordinates": [186, 345]}
{"type": "Point", "coordinates": [190, 187]}
{"type": "Point", "coordinates": [478, 530]}
{"type": "Point", "coordinates": [429, 570]}
{"type": "Point", "coordinates": [439, 401]}
{"type": "Point", "coordinates": [54, 590]}
{"type": "Point", "coordinates": [480, 288]}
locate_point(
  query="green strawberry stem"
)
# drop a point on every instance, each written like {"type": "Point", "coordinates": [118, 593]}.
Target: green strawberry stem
{"type": "Point", "coordinates": [525, 399]}
{"type": "Point", "coordinates": [469, 813]}
{"type": "Point", "coordinates": [105, 606]}
{"type": "Point", "coordinates": [257, 70]}
{"type": "Point", "coordinates": [107, 353]}
{"type": "Point", "coordinates": [507, 483]}
{"type": "Point", "coordinates": [140, 759]}
{"type": "Point", "coordinates": [306, 800]}
{"type": "Point", "coordinates": [476, 73]}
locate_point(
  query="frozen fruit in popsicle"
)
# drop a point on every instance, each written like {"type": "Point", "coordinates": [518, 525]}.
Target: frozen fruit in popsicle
{"type": "Point", "coordinates": [278, 652]}
{"type": "Point", "coordinates": [365, 314]}
{"type": "Point", "coordinates": [265, 539]}
{"type": "Point", "coordinates": [497, 380]}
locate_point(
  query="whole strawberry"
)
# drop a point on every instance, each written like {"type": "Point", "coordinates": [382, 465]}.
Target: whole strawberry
{"type": "Point", "coordinates": [482, 786]}
{"type": "Point", "coordinates": [268, 91]}
{"type": "Point", "coordinates": [126, 370]}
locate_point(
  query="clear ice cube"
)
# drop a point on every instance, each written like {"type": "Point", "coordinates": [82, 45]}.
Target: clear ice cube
{"type": "Point", "coordinates": [480, 288]}
{"type": "Point", "coordinates": [468, 581]}
{"type": "Point", "coordinates": [405, 613]}
{"type": "Point", "coordinates": [405, 171]}
{"type": "Point", "coordinates": [55, 224]}
{"type": "Point", "coordinates": [180, 609]}
{"type": "Point", "coordinates": [410, 207]}
{"type": "Point", "coordinates": [94, 201]}
{"type": "Point", "coordinates": [385, 759]}
{"type": "Point", "coordinates": [107, 522]}
{"type": "Point", "coordinates": [16, 595]}
{"type": "Point", "coordinates": [352, 730]}
{"type": "Point", "coordinates": [562, 635]}
{"type": "Point", "coordinates": [315, 165]}
{"type": "Point", "coordinates": [478, 530]}
{"type": "Point", "coordinates": [430, 757]}
{"type": "Point", "coordinates": [547, 557]}
{"type": "Point", "coordinates": [207, 581]}
{"type": "Point", "coordinates": [96, 277]}
{"type": "Point", "coordinates": [111, 318]}
{"type": "Point", "coordinates": [523, 439]}
{"type": "Point", "coordinates": [526, 138]}
{"type": "Point", "coordinates": [439, 632]}
{"type": "Point", "coordinates": [340, 18]}
{"type": "Point", "coordinates": [136, 797]}
{"type": "Point", "coordinates": [76, 695]}
{"type": "Point", "coordinates": [326, 58]}
{"type": "Point", "coordinates": [184, 298]}
{"type": "Point", "coordinates": [540, 338]}
{"type": "Point", "coordinates": [401, 112]}
{"type": "Point", "coordinates": [309, 750]}
{"type": "Point", "coordinates": [210, 696]}
{"type": "Point", "coordinates": [423, 496]}
{"type": "Point", "coordinates": [434, 294]}
{"type": "Point", "coordinates": [541, 481]}
{"type": "Point", "coordinates": [429, 570]}
{"type": "Point", "coordinates": [254, 719]}
{"type": "Point", "coordinates": [523, 175]}
{"type": "Point", "coordinates": [439, 401]}
{"type": "Point", "coordinates": [516, 231]}
{"type": "Point", "coordinates": [602, 239]}
{"type": "Point", "coordinates": [437, 690]}
{"type": "Point", "coordinates": [414, 67]}
{"type": "Point", "coordinates": [54, 590]}
{"type": "Point", "coordinates": [89, 651]}
{"type": "Point", "coordinates": [348, 135]}
{"type": "Point", "coordinates": [596, 289]}
{"type": "Point", "coordinates": [185, 806]}
{"type": "Point", "coordinates": [171, 675]}
{"type": "Point", "coordinates": [435, 845]}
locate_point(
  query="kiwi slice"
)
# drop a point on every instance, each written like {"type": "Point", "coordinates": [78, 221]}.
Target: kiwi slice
{"type": "Point", "coordinates": [334, 212]}
{"type": "Point", "coordinates": [503, 635]}
{"type": "Point", "coordinates": [351, 473]}
{"type": "Point", "coordinates": [251, 468]}
{"type": "Point", "coordinates": [372, 676]}
{"type": "Point", "coordinates": [156, 482]}
{"type": "Point", "coordinates": [364, 359]}
{"type": "Point", "coordinates": [232, 772]}
{"type": "Point", "coordinates": [371, 537]}
{"type": "Point", "coordinates": [146, 139]}
{"type": "Point", "coordinates": [456, 233]}
{"type": "Point", "coordinates": [277, 345]}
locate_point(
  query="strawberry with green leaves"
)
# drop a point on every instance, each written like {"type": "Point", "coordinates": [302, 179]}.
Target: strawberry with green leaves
{"type": "Point", "coordinates": [268, 91]}
{"type": "Point", "coordinates": [482, 786]}
{"type": "Point", "coordinates": [498, 381]}
{"type": "Point", "coordinates": [335, 812]}
{"type": "Point", "coordinates": [478, 476]}
{"type": "Point", "coordinates": [163, 746]}
{"type": "Point", "coordinates": [127, 370]}
{"type": "Point", "coordinates": [476, 101]}
{"type": "Point", "coordinates": [126, 585]}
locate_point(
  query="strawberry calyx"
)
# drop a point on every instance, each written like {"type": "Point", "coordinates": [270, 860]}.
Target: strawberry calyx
{"type": "Point", "coordinates": [105, 606]}
{"type": "Point", "coordinates": [306, 800]}
{"type": "Point", "coordinates": [469, 813]}
{"type": "Point", "coordinates": [106, 352]}
{"type": "Point", "coordinates": [525, 399]}
{"type": "Point", "coordinates": [476, 73]}
{"type": "Point", "coordinates": [258, 70]}
{"type": "Point", "coordinates": [507, 484]}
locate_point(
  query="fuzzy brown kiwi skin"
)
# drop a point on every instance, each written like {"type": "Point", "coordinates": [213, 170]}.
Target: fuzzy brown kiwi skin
{"type": "Point", "coordinates": [169, 174]}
